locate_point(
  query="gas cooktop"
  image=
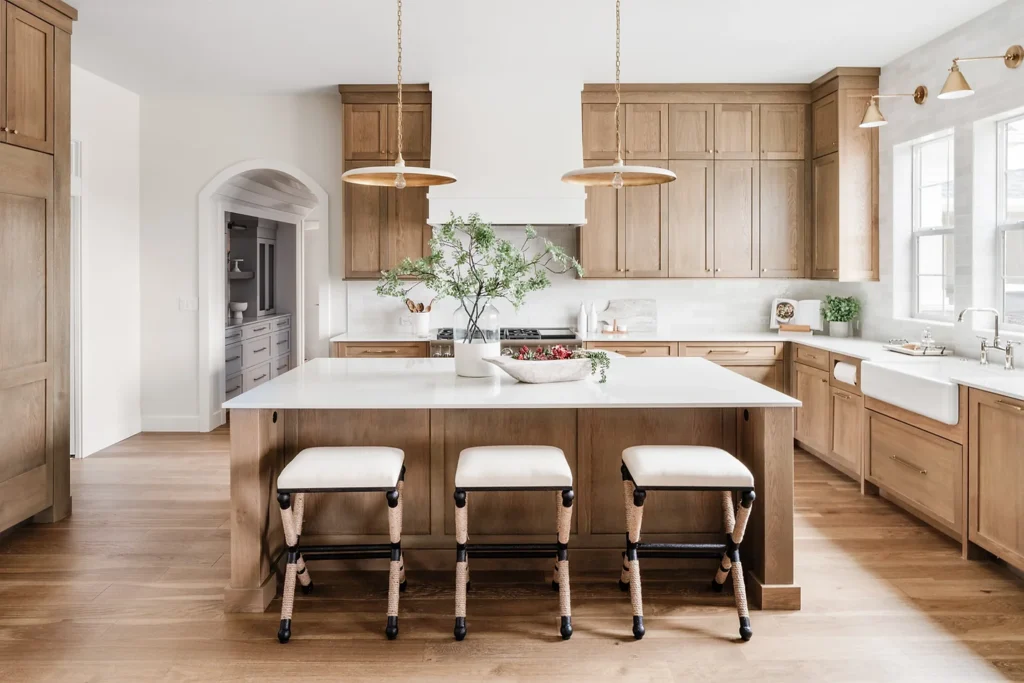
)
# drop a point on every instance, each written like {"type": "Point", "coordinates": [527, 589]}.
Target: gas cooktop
{"type": "Point", "coordinates": [522, 334]}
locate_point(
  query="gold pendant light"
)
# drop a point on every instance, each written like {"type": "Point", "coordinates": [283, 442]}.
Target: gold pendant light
{"type": "Point", "coordinates": [956, 85]}
{"type": "Point", "coordinates": [398, 176]}
{"type": "Point", "coordinates": [873, 115]}
{"type": "Point", "coordinates": [618, 175]}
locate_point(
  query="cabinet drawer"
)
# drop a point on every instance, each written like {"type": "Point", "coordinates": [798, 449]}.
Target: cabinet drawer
{"type": "Point", "coordinates": [256, 351]}
{"type": "Point", "coordinates": [280, 343]}
{"type": "Point", "coordinates": [280, 365]}
{"type": "Point", "coordinates": [637, 349]}
{"type": "Point", "coordinates": [923, 469]}
{"type": "Point", "coordinates": [768, 375]}
{"type": "Point", "coordinates": [733, 353]}
{"type": "Point", "coordinates": [816, 358]}
{"type": "Point", "coordinates": [232, 335]}
{"type": "Point", "coordinates": [255, 330]}
{"type": "Point", "coordinates": [253, 377]}
{"type": "Point", "coordinates": [232, 387]}
{"type": "Point", "coordinates": [284, 323]}
{"type": "Point", "coordinates": [232, 359]}
{"type": "Point", "coordinates": [413, 350]}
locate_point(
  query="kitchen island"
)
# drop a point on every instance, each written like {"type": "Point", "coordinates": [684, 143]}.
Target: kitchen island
{"type": "Point", "coordinates": [422, 407]}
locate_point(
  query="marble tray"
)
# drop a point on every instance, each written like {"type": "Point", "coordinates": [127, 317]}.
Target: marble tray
{"type": "Point", "coordinates": [543, 371]}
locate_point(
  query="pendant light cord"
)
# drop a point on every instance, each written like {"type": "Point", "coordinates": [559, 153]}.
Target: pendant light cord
{"type": "Point", "coordinates": [399, 160]}
{"type": "Point", "coordinates": [618, 96]}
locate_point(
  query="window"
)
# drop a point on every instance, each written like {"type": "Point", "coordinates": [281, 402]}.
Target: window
{"type": "Point", "coordinates": [932, 223]}
{"type": "Point", "coordinates": [1011, 220]}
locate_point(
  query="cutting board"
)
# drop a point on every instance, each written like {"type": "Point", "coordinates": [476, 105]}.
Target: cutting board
{"type": "Point", "coordinates": [639, 315]}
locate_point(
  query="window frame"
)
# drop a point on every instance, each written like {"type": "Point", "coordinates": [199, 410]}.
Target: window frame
{"type": "Point", "coordinates": [1004, 226]}
{"type": "Point", "coordinates": [916, 232]}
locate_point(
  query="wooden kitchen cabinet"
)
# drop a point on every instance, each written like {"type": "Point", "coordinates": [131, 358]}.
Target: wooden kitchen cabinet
{"type": "Point", "coordinates": [28, 48]}
{"type": "Point", "coordinates": [996, 475]}
{"type": "Point", "coordinates": [599, 131]}
{"type": "Point", "coordinates": [602, 243]}
{"type": "Point", "coordinates": [366, 216]}
{"type": "Point", "coordinates": [646, 133]}
{"type": "Point", "coordinates": [407, 234]}
{"type": "Point", "coordinates": [415, 132]}
{"type": "Point", "coordinates": [825, 125]}
{"type": "Point", "coordinates": [783, 131]}
{"type": "Point", "coordinates": [691, 218]}
{"type": "Point", "coordinates": [691, 131]}
{"type": "Point", "coordinates": [737, 131]}
{"type": "Point", "coordinates": [847, 439]}
{"type": "Point", "coordinates": [366, 131]}
{"type": "Point", "coordinates": [638, 349]}
{"type": "Point", "coordinates": [783, 218]}
{"type": "Point", "coordinates": [383, 350]}
{"type": "Point", "coordinates": [646, 228]}
{"type": "Point", "coordinates": [825, 200]}
{"type": "Point", "coordinates": [737, 218]}
{"type": "Point", "coordinates": [761, 362]}
{"type": "Point", "coordinates": [814, 418]}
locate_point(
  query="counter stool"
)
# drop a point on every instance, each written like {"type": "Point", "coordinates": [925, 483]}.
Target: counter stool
{"type": "Point", "coordinates": [686, 468]}
{"type": "Point", "coordinates": [513, 468]}
{"type": "Point", "coordinates": [340, 470]}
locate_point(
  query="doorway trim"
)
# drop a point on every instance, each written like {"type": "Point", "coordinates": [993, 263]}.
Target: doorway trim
{"type": "Point", "coordinates": [212, 206]}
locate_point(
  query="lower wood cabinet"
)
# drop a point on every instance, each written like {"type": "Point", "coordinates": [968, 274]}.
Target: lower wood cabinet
{"type": "Point", "coordinates": [847, 444]}
{"type": "Point", "coordinates": [375, 350]}
{"type": "Point", "coordinates": [996, 475]}
{"type": "Point", "coordinates": [637, 349]}
{"type": "Point", "coordinates": [813, 427]}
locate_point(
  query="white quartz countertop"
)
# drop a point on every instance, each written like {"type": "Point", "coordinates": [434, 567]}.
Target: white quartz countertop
{"type": "Point", "coordinates": [382, 337]}
{"type": "Point", "coordinates": [426, 383]}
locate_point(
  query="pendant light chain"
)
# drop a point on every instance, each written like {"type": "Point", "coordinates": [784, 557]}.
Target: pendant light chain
{"type": "Point", "coordinates": [400, 81]}
{"type": "Point", "coordinates": [618, 97]}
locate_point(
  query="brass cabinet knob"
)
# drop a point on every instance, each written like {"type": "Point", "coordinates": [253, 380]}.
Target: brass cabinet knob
{"type": "Point", "coordinates": [718, 270]}
{"type": "Point", "coordinates": [13, 131]}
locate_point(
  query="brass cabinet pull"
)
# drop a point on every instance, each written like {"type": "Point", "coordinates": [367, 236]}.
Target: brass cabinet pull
{"type": "Point", "coordinates": [380, 352]}
{"type": "Point", "coordinates": [842, 395]}
{"type": "Point", "coordinates": [632, 352]}
{"type": "Point", "coordinates": [729, 352]}
{"type": "Point", "coordinates": [907, 464]}
{"type": "Point", "coordinates": [1010, 405]}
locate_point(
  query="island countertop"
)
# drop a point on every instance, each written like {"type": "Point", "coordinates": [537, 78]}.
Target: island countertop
{"type": "Point", "coordinates": [431, 383]}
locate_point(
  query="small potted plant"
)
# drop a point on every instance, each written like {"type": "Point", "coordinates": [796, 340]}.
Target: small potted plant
{"type": "Point", "coordinates": [840, 311]}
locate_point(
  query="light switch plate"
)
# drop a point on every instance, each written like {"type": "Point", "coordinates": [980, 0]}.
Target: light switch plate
{"type": "Point", "coordinates": [187, 304]}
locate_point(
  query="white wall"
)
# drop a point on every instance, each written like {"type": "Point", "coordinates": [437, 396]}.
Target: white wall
{"type": "Point", "coordinates": [186, 141]}
{"type": "Point", "coordinates": [105, 119]}
{"type": "Point", "coordinates": [997, 90]}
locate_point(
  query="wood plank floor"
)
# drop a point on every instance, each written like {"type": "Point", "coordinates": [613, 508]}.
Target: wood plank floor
{"type": "Point", "coordinates": [130, 588]}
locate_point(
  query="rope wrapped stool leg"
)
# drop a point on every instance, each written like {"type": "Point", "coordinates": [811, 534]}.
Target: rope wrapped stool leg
{"type": "Point", "coordinates": [738, 582]}
{"type": "Point", "coordinates": [291, 539]}
{"type": "Point", "coordinates": [729, 523]}
{"type": "Point", "coordinates": [461, 562]}
{"type": "Point", "coordinates": [634, 520]}
{"type": "Point", "coordinates": [562, 568]}
{"type": "Point", "coordinates": [305, 580]}
{"type": "Point", "coordinates": [395, 569]}
{"type": "Point", "coordinates": [627, 494]}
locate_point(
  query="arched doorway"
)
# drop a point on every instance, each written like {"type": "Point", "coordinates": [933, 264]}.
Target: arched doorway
{"type": "Point", "coordinates": [277, 192]}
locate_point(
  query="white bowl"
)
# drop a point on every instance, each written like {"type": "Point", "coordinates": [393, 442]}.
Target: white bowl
{"type": "Point", "coordinates": [543, 371]}
{"type": "Point", "coordinates": [238, 306]}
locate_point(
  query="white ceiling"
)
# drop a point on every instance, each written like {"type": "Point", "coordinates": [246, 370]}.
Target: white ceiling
{"type": "Point", "coordinates": [273, 46]}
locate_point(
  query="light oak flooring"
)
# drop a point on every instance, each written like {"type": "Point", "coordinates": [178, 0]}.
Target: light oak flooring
{"type": "Point", "coordinates": [130, 588]}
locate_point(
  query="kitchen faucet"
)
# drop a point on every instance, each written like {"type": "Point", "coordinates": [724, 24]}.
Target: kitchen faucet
{"type": "Point", "coordinates": [997, 344]}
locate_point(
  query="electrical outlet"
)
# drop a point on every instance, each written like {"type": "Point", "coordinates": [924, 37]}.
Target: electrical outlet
{"type": "Point", "coordinates": [404, 321]}
{"type": "Point", "coordinates": [188, 304]}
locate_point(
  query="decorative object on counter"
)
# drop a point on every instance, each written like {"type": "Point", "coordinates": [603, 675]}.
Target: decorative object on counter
{"type": "Point", "coordinates": [618, 175]}
{"type": "Point", "coordinates": [471, 264]}
{"type": "Point", "coordinates": [236, 265]}
{"type": "Point", "coordinates": [237, 308]}
{"type": "Point", "coordinates": [638, 315]}
{"type": "Point", "coordinates": [420, 317]}
{"type": "Point", "coordinates": [916, 349]}
{"type": "Point", "coordinates": [956, 85]}
{"type": "Point", "coordinates": [873, 115]}
{"type": "Point", "coordinates": [398, 176]}
{"type": "Point", "coordinates": [582, 322]}
{"type": "Point", "coordinates": [615, 328]}
{"type": "Point", "coordinates": [790, 315]}
{"type": "Point", "coordinates": [560, 365]}
{"type": "Point", "coordinates": [594, 323]}
{"type": "Point", "coordinates": [840, 311]}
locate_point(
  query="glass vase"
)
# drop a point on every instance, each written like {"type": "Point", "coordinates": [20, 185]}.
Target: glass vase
{"type": "Point", "coordinates": [475, 336]}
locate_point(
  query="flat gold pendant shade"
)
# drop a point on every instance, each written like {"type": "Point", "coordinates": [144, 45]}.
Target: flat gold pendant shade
{"type": "Point", "coordinates": [631, 176]}
{"type": "Point", "coordinates": [388, 176]}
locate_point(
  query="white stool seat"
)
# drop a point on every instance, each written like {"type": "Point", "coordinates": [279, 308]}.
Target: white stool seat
{"type": "Point", "coordinates": [686, 466]}
{"type": "Point", "coordinates": [506, 467]}
{"type": "Point", "coordinates": [342, 467]}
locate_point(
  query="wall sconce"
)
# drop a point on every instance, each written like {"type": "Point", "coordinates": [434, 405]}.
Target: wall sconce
{"type": "Point", "coordinates": [956, 85]}
{"type": "Point", "coordinates": [873, 115]}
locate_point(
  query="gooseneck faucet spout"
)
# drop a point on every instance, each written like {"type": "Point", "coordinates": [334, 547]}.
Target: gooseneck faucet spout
{"type": "Point", "coordinates": [1007, 348]}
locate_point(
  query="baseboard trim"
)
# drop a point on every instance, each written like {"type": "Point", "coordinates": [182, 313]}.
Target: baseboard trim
{"type": "Point", "coordinates": [170, 423]}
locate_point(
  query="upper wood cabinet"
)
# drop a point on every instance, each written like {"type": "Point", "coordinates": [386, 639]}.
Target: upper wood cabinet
{"type": "Point", "coordinates": [737, 218]}
{"type": "Point", "coordinates": [366, 131]}
{"type": "Point", "coordinates": [737, 131]}
{"type": "Point", "coordinates": [29, 52]}
{"type": "Point", "coordinates": [415, 131]}
{"type": "Point", "coordinates": [783, 224]}
{"type": "Point", "coordinates": [366, 216]}
{"type": "Point", "coordinates": [826, 217]}
{"type": "Point", "coordinates": [691, 131]}
{"type": "Point", "coordinates": [407, 234]}
{"type": "Point", "coordinates": [646, 229]}
{"type": "Point", "coordinates": [691, 218]}
{"type": "Point", "coordinates": [602, 243]}
{"type": "Point", "coordinates": [825, 125]}
{"type": "Point", "coordinates": [783, 131]}
{"type": "Point", "coordinates": [646, 132]}
{"type": "Point", "coordinates": [599, 131]}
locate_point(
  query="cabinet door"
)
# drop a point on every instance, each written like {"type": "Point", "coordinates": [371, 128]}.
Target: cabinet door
{"type": "Point", "coordinates": [813, 418]}
{"type": "Point", "coordinates": [691, 131]}
{"type": "Point", "coordinates": [996, 477]}
{"type": "Point", "coordinates": [783, 204]}
{"type": "Point", "coordinates": [737, 218]}
{"type": "Point", "coordinates": [737, 131]}
{"type": "Point", "coordinates": [365, 221]}
{"type": "Point", "coordinates": [768, 375]}
{"type": "Point", "coordinates": [826, 217]}
{"type": "Point", "coordinates": [646, 132]}
{"type": "Point", "coordinates": [599, 131]}
{"type": "Point", "coordinates": [847, 429]}
{"type": "Point", "coordinates": [407, 233]}
{"type": "Point", "coordinates": [603, 238]}
{"type": "Point", "coordinates": [783, 131]}
{"type": "Point", "coordinates": [825, 125]}
{"type": "Point", "coordinates": [29, 81]}
{"type": "Point", "coordinates": [415, 132]}
{"type": "Point", "coordinates": [366, 130]}
{"type": "Point", "coordinates": [691, 219]}
{"type": "Point", "coordinates": [3, 71]}
{"type": "Point", "coordinates": [647, 229]}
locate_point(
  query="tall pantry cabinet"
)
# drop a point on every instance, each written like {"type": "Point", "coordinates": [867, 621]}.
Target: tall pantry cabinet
{"type": "Point", "coordinates": [35, 259]}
